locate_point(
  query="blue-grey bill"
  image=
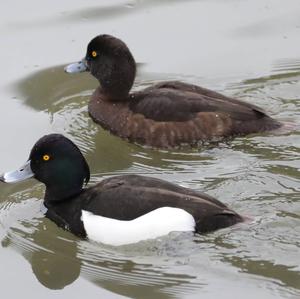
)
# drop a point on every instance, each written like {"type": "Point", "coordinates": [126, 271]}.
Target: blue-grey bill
{"type": "Point", "coordinates": [21, 174]}
{"type": "Point", "coordinates": [77, 67]}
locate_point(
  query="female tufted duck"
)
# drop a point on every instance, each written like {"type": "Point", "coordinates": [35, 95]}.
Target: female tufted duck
{"type": "Point", "coordinates": [165, 115]}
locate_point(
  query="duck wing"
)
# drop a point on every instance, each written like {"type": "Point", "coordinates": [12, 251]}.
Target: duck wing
{"type": "Point", "coordinates": [177, 101]}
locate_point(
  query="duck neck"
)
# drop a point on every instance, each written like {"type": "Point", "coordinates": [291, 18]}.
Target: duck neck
{"type": "Point", "coordinates": [67, 191]}
{"type": "Point", "coordinates": [116, 77]}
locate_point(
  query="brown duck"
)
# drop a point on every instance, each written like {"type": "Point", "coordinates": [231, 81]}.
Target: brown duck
{"type": "Point", "coordinates": [165, 115]}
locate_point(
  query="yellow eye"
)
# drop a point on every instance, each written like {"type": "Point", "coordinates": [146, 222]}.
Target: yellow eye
{"type": "Point", "coordinates": [94, 53]}
{"type": "Point", "coordinates": [46, 157]}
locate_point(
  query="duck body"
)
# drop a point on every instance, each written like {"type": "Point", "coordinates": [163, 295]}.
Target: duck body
{"type": "Point", "coordinates": [173, 114]}
{"type": "Point", "coordinates": [127, 198]}
{"type": "Point", "coordinates": [118, 210]}
{"type": "Point", "coordinates": [167, 114]}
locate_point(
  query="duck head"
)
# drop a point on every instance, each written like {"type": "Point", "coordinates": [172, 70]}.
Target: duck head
{"type": "Point", "coordinates": [110, 61]}
{"type": "Point", "coordinates": [58, 163]}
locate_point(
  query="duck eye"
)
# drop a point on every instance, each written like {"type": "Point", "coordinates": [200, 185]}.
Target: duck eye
{"type": "Point", "coordinates": [94, 54]}
{"type": "Point", "coordinates": [46, 157]}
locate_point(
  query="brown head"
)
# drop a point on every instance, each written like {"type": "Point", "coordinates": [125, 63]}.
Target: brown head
{"type": "Point", "coordinates": [109, 60]}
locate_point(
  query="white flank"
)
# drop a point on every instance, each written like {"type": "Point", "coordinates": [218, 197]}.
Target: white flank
{"type": "Point", "coordinates": [154, 224]}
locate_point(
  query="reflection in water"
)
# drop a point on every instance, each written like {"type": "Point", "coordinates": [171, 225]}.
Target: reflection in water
{"type": "Point", "coordinates": [55, 271]}
{"type": "Point", "coordinates": [51, 252]}
{"type": "Point", "coordinates": [111, 269]}
{"type": "Point", "coordinates": [282, 274]}
{"type": "Point", "coordinates": [46, 89]}
{"type": "Point", "coordinates": [52, 257]}
{"type": "Point", "coordinates": [236, 252]}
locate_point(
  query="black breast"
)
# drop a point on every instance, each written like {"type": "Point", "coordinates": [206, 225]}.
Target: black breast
{"type": "Point", "coordinates": [67, 215]}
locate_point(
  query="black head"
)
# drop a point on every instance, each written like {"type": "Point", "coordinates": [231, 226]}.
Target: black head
{"type": "Point", "coordinates": [110, 61]}
{"type": "Point", "coordinates": [58, 163]}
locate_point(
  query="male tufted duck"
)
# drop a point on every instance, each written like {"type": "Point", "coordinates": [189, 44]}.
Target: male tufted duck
{"type": "Point", "coordinates": [119, 210]}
